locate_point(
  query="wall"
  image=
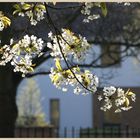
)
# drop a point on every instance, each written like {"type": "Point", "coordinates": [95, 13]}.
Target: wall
{"type": "Point", "coordinates": [125, 76]}
{"type": "Point", "coordinates": [74, 110]}
{"type": "Point", "coordinates": [77, 110]}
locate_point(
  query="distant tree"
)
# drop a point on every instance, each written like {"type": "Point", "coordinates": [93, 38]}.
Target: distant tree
{"type": "Point", "coordinates": [29, 105]}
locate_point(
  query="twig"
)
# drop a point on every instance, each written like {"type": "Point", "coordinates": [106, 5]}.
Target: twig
{"type": "Point", "coordinates": [57, 33]}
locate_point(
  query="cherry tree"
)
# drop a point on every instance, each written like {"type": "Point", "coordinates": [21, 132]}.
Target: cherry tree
{"type": "Point", "coordinates": [21, 54]}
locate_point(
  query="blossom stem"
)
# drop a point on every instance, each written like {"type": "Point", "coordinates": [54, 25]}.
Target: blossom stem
{"type": "Point", "coordinates": [58, 33]}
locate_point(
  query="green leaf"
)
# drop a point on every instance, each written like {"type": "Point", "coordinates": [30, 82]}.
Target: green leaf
{"type": "Point", "coordinates": [58, 65]}
{"type": "Point", "coordinates": [41, 6]}
{"type": "Point", "coordinates": [86, 81]}
{"type": "Point", "coordinates": [36, 9]}
{"type": "Point", "coordinates": [130, 93]}
{"type": "Point", "coordinates": [127, 102]}
{"type": "Point", "coordinates": [15, 46]}
{"type": "Point", "coordinates": [33, 49]}
{"type": "Point", "coordinates": [16, 11]}
{"type": "Point", "coordinates": [28, 50]}
{"type": "Point", "coordinates": [6, 21]}
{"type": "Point", "coordinates": [18, 53]}
{"type": "Point", "coordinates": [16, 6]}
{"type": "Point", "coordinates": [30, 69]}
{"type": "Point", "coordinates": [26, 6]}
{"type": "Point", "coordinates": [55, 78]}
{"type": "Point", "coordinates": [103, 8]}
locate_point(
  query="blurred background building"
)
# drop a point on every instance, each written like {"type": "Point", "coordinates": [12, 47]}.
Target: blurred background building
{"type": "Point", "coordinates": [70, 110]}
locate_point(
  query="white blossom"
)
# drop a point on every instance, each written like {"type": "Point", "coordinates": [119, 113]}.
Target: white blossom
{"type": "Point", "coordinates": [1, 25]}
{"type": "Point", "coordinates": [64, 89]}
{"type": "Point", "coordinates": [77, 90]}
{"type": "Point", "coordinates": [35, 12]}
{"type": "Point", "coordinates": [116, 98]}
{"type": "Point", "coordinates": [117, 110]}
{"type": "Point", "coordinates": [70, 44]}
{"type": "Point", "coordinates": [120, 92]}
{"type": "Point", "coordinates": [126, 108]}
{"type": "Point", "coordinates": [133, 97]}
{"type": "Point", "coordinates": [100, 97]}
{"type": "Point", "coordinates": [20, 54]}
{"type": "Point", "coordinates": [86, 11]}
{"type": "Point", "coordinates": [62, 78]}
{"type": "Point", "coordinates": [108, 91]}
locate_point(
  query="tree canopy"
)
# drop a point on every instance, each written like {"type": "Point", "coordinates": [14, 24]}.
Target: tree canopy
{"type": "Point", "coordinates": [67, 34]}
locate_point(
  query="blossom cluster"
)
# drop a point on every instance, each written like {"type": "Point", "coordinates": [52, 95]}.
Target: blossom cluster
{"type": "Point", "coordinates": [66, 45]}
{"type": "Point", "coordinates": [86, 10]}
{"type": "Point", "coordinates": [61, 78]}
{"type": "Point", "coordinates": [20, 54]}
{"type": "Point", "coordinates": [4, 21]}
{"type": "Point", "coordinates": [116, 98]}
{"type": "Point", "coordinates": [71, 45]}
{"type": "Point", "coordinates": [35, 12]}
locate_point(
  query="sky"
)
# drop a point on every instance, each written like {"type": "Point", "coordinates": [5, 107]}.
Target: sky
{"type": "Point", "coordinates": [76, 110]}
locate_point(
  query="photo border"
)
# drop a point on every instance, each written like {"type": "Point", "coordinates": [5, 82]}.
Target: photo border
{"type": "Point", "coordinates": [55, 1]}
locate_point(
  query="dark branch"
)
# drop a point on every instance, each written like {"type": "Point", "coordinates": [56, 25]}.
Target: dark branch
{"type": "Point", "coordinates": [95, 42]}
{"type": "Point", "coordinates": [64, 8]}
{"type": "Point", "coordinates": [29, 75]}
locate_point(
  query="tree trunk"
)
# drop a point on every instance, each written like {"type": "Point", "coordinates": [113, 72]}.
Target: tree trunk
{"type": "Point", "coordinates": [8, 113]}
{"type": "Point", "coordinates": [8, 85]}
{"type": "Point", "coordinates": [8, 109]}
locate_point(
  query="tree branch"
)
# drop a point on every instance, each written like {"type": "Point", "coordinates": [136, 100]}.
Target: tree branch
{"type": "Point", "coordinates": [64, 8]}
{"type": "Point", "coordinates": [96, 42]}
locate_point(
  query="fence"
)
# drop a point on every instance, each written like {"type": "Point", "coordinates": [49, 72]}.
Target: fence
{"type": "Point", "coordinates": [100, 132]}
{"type": "Point", "coordinates": [110, 133]}
{"type": "Point", "coordinates": [78, 133]}
{"type": "Point", "coordinates": [40, 132]}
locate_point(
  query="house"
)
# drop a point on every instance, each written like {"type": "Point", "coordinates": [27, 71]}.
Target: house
{"type": "Point", "coordinates": [70, 110]}
{"type": "Point", "coordinates": [123, 120]}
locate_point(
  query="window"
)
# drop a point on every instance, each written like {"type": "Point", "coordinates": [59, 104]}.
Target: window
{"type": "Point", "coordinates": [55, 112]}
